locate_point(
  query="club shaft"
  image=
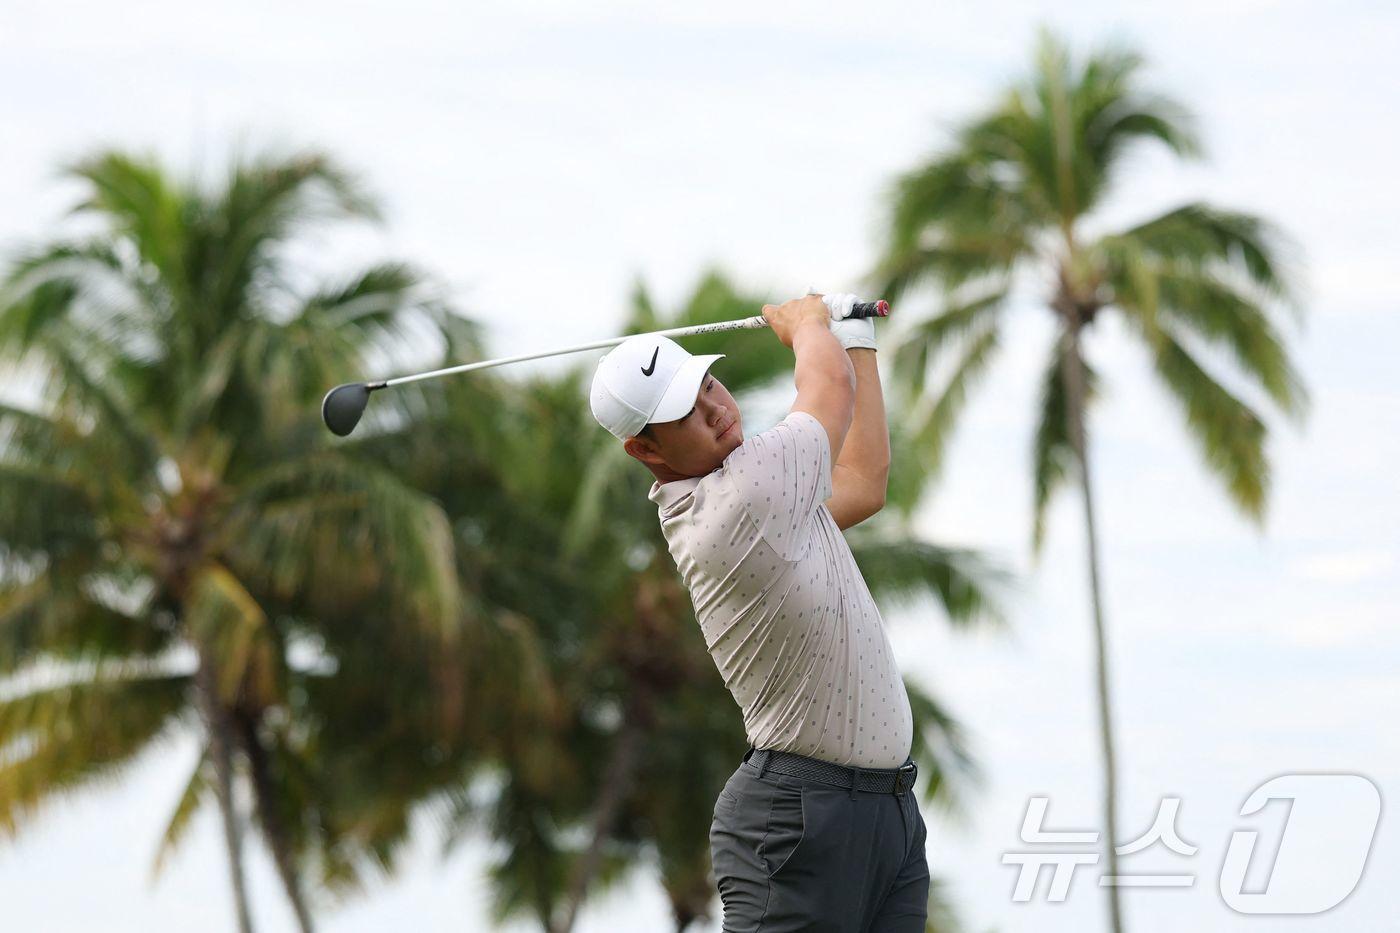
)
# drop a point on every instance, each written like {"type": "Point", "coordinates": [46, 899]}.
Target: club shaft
{"type": "Point", "coordinates": [747, 323]}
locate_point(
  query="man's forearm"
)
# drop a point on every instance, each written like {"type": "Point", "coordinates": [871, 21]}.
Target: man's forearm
{"type": "Point", "coordinates": [866, 453]}
{"type": "Point", "coordinates": [819, 358]}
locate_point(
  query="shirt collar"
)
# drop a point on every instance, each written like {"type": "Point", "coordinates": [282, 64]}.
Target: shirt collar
{"type": "Point", "coordinates": [666, 495]}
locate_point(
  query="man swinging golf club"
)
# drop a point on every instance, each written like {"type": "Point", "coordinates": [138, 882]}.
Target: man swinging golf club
{"type": "Point", "coordinates": [817, 829]}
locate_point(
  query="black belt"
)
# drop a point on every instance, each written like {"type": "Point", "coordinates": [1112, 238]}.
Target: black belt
{"type": "Point", "coordinates": [872, 780]}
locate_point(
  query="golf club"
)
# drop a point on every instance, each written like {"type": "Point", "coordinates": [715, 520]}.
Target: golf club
{"type": "Point", "coordinates": [343, 406]}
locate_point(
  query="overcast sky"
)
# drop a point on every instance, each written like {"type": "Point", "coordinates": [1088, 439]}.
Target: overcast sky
{"type": "Point", "coordinates": [539, 157]}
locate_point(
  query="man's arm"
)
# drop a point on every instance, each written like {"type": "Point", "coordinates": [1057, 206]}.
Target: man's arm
{"type": "Point", "coordinates": [861, 472]}
{"type": "Point", "coordinates": [823, 372]}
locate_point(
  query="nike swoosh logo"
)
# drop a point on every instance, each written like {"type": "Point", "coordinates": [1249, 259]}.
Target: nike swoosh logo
{"type": "Point", "coordinates": [648, 370]}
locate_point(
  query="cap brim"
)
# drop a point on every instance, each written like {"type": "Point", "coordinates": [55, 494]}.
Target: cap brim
{"type": "Point", "coordinates": [679, 397]}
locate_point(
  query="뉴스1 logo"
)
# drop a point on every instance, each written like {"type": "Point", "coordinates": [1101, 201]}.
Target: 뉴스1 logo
{"type": "Point", "coordinates": [1328, 830]}
{"type": "Point", "coordinates": [648, 370]}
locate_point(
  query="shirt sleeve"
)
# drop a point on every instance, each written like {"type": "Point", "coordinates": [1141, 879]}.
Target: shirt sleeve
{"type": "Point", "coordinates": [783, 476]}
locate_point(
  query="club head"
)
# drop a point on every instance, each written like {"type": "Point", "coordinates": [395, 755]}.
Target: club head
{"type": "Point", "coordinates": [342, 407]}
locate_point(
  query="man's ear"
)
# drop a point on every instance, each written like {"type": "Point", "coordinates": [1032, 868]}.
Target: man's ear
{"type": "Point", "coordinates": [642, 449]}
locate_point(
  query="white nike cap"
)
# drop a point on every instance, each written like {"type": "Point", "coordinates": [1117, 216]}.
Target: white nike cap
{"type": "Point", "coordinates": [646, 379]}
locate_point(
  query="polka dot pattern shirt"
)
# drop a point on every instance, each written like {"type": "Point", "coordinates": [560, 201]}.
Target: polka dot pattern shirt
{"type": "Point", "coordinates": [783, 608]}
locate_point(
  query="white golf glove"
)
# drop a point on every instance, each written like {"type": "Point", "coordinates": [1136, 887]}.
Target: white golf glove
{"type": "Point", "coordinates": [851, 332]}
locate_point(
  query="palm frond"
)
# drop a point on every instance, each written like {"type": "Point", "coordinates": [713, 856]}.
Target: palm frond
{"type": "Point", "coordinates": [954, 222]}
{"type": "Point", "coordinates": [1112, 112]}
{"type": "Point", "coordinates": [934, 416]}
{"type": "Point", "coordinates": [901, 571]}
{"type": "Point", "coordinates": [27, 316]}
{"type": "Point", "coordinates": [82, 282]}
{"type": "Point", "coordinates": [463, 337]}
{"type": "Point", "coordinates": [336, 530]}
{"type": "Point", "coordinates": [1075, 123]}
{"type": "Point", "coordinates": [194, 794]}
{"type": "Point", "coordinates": [1039, 125]}
{"type": "Point", "coordinates": [1139, 117]}
{"type": "Point", "coordinates": [97, 397]}
{"type": "Point", "coordinates": [531, 876]}
{"type": "Point", "coordinates": [941, 750]}
{"type": "Point", "coordinates": [60, 738]}
{"type": "Point", "coordinates": [609, 466]}
{"type": "Point", "coordinates": [44, 513]}
{"type": "Point", "coordinates": [938, 189]}
{"type": "Point", "coordinates": [1228, 432]}
{"type": "Point", "coordinates": [346, 328]}
{"type": "Point", "coordinates": [368, 299]}
{"type": "Point", "coordinates": [134, 195]}
{"type": "Point", "coordinates": [234, 635]}
{"type": "Point", "coordinates": [920, 344]}
{"type": "Point", "coordinates": [44, 621]}
{"type": "Point", "coordinates": [216, 385]}
{"type": "Point", "coordinates": [29, 436]}
{"type": "Point", "coordinates": [1219, 313]}
{"type": "Point", "coordinates": [905, 488]}
{"type": "Point", "coordinates": [1053, 456]}
{"type": "Point", "coordinates": [1198, 236]}
{"type": "Point", "coordinates": [265, 200]}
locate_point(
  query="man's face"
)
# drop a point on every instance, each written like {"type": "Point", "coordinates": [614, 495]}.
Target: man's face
{"type": "Point", "coordinates": [697, 443]}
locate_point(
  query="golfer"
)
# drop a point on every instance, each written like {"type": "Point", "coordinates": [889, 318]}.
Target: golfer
{"type": "Point", "coordinates": [818, 828]}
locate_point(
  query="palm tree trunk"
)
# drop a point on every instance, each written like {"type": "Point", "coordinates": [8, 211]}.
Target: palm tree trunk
{"type": "Point", "coordinates": [221, 752]}
{"type": "Point", "coordinates": [1073, 370]}
{"type": "Point", "coordinates": [617, 784]}
{"type": "Point", "coordinates": [269, 818]}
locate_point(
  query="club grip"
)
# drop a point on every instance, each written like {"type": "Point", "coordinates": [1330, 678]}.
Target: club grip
{"type": "Point", "coordinates": [879, 308]}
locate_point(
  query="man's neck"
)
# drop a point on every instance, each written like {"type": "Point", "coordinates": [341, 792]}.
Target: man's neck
{"type": "Point", "coordinates": [664, 474]}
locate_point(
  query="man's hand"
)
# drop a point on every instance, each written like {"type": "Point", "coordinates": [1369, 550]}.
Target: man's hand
{"type": "Point", "coordinates": [852, 332]}
{"type": "Point", "coordinates": [787, 317]}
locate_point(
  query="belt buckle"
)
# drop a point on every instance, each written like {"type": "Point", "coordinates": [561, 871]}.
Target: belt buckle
{"type": "Point", "coordinates": [904, 778]}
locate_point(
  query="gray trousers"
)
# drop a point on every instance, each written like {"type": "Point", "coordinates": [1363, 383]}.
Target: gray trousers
{"type": "Point", "coordinates": [796, 854]}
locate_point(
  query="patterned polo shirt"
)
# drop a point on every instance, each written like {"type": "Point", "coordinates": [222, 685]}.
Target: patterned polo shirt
{"type": "Point", "coordinates": [785, 612]}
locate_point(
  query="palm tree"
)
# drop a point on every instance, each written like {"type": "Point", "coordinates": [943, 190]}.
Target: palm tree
{"type": "Point", "coordinates": [624, 687]}
{"type": "Point", "coordinates": [1015, 195]}
{"type": "Point", "coordinates": [178, 537]}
